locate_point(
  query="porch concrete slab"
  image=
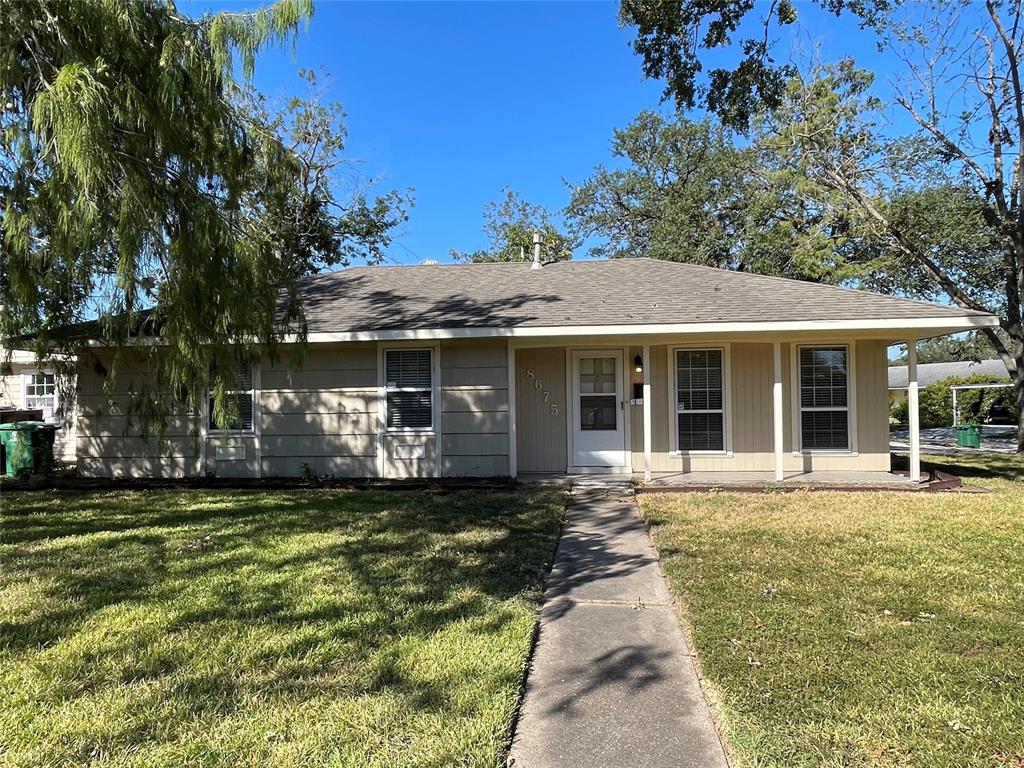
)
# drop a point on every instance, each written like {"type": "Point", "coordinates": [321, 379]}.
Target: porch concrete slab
{"type": "Point", "coordinates": [726, 479]}
{"type": "Point", "coordinates": [612, 682]}
{"type": "Point", "coordinates": [621, 480]}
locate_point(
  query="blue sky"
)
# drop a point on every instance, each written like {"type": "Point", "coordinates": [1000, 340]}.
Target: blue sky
{"type": "Point", "coordinates": [458, 100]}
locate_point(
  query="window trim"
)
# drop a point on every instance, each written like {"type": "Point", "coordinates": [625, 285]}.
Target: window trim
{"type": "Point", "coordinates": [26, 375]}
{"type": "Point", "coordinates": [673, 391]}
{"type": "Point", "coordinates": [253, 392]}
{"type": "Point", "coordinates": [433, 389]}
{"type": "Point", "coordinates": [851, 400]}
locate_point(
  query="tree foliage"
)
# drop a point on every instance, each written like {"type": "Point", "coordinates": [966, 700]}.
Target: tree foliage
{"type": "Point", "coordinates": [673, 36]}
{"type": "Point", "coordinates": [686, 190]}
{"type": "Point", "coordinates": [943, 204]}
{"type": "Point", "coordinates": [945, 349]}
{"type": "Point", "coordinates": [143, 186]}
{"type": "Point", "coordinates": [509, 225]}
{"type": "Point", "coordinates": [936, 402]}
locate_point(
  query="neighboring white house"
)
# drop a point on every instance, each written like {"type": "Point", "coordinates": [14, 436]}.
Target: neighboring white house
{"type": "Point", "coordinates": [34, 387]}
{"type": "Point", "coordinates": [629, 365]}
{"type": "Point", "coordinates": [930, 373]}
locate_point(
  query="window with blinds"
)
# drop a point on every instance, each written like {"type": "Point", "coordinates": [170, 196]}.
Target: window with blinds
{"type": "Point", "coordinates": [824, 398]}
{"type": "Point", "coordinates": [408, 375]}
{"type": "Point", "coordinates": [240, 402]}
{"type": "Point", "coordinates": [700, 399]}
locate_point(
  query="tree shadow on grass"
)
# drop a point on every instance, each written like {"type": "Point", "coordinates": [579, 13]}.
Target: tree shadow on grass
{"type": "Point", "coordinates": [332, 577]}
{"type": "Point", "coordinates": [1002, 466]}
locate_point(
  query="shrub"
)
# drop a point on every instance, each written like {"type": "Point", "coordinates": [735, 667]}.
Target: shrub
{"type": "Point", "coordinates": [973, 404]}
{"type": "Point", "coordinates": [898, 411]}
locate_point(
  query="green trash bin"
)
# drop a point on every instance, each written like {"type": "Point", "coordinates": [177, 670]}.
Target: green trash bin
{"type": "Point", "coordinates": [968, 435]}
{"type": "Point", "coordinates": [26, 446]}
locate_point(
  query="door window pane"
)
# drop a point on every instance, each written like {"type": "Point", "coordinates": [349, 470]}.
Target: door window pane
{"type": "Point", "coordinates": [598, 413]}
{"type": "Point", "coordinates": [597, 375]}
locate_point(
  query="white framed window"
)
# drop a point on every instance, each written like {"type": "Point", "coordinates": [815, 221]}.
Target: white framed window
{"type": "Point", "coordinates": [39, 391]}
{"type": "Point", "coordinates": [242, 399]}
{"type": "Point", "coordinates": [699, 397]}
{"type": "Point", "coordinates": [824, 397]}
{"type": "Point", "coordinates": [409, 389]}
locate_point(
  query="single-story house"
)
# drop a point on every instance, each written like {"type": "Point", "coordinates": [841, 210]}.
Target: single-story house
{"type": "Point", "coordinates": [31, 386]}
{"type": "Point", "coordinates": [629, 365]}
{"type": "Point", "coordinates": [932, 373]}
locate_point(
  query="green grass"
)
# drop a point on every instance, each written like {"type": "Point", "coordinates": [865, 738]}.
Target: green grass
{"type": "Point", "coordinates": [175, 628]}
{"type": "Point", "coordinates": [858, 629]}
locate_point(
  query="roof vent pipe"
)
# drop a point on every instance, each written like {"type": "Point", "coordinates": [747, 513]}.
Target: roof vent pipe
{"type": "Point", "coordinates": [536, 250]}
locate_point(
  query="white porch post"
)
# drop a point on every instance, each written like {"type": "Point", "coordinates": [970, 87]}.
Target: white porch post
{"type": "Point", "coordinates": [647, 413]}
{"type": "Point", "coordinates": [913, 411]}
{"type": "Point", "coordinates": [777, 411]}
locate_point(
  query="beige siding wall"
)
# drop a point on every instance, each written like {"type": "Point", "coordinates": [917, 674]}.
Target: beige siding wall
{"type": "Point", "coordinates": [540, 429]}
{"type": "Point", "coordinates": [474, 409]}
{"type": "Point", "coordinates": [750, 415]}
{"type": "Point", "coordinates": [320, 412]}
{"type": "Point", "coordinates": [10, 389]}
{"type": "Point", "coordinates": [110, 442]}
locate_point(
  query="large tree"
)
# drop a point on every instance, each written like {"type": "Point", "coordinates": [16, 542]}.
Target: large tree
{"type": "Point", "coordinates": [510, 224]}
{"type": "Point", "coordinates": [147, 188]}
{"type": "Point", "coordinates": [944, 349]}
{"type": "Point", "coordinates": [674, 36]}
{"type": "Point", "coordinates": [685, 190]}
{"type": "Point", "coordinates": [945, 200]}
{"type": "Point", "coordinates": [936, 211]}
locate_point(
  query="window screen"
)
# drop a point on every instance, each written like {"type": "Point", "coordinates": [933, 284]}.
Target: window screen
{"type": "Point", "coordinates": [700, 399]}
{"type": "Point", "coordinates": [409, 384]}
{"type": "Point", "coordinates": [824, 398]}
{"type": "Point", "coordinates": [239, 402]}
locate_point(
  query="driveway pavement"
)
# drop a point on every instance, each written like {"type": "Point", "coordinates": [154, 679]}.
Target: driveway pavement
{"type": "Point", "coordinates": [942, 440]}
{"type": "Point", "coordinates": [612, 681]}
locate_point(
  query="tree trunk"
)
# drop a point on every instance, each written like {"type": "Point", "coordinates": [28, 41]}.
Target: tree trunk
{"type": "Point", "coordinates": [1017, 378]}
{"type": "Point", "coordinates": [1018, 385]}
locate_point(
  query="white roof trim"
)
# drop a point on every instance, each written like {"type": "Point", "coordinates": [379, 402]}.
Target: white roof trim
{"type": "Point", "coordinates": [934, 326]}
{"type": "Point", "coordinates": [943, 324]}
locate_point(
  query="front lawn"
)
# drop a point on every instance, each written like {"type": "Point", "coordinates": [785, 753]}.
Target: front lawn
{"type": "Point", "coordinates": [858, 629]}
{"type": "Point", "coordinates": [224, 628]}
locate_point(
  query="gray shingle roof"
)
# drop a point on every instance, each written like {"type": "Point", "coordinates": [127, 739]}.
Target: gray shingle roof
{"type": "Point", "coordinates": [616, 292]}
{"type": "Point", "coordinates": [929, 373]}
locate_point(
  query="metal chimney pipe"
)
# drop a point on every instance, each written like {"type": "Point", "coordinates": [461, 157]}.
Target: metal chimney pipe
{"type": "Point", "coordinates": [536, 250]}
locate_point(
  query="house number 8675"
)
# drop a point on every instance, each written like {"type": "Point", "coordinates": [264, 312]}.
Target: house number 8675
{"type": "Point", "coordinates": [538, 384]}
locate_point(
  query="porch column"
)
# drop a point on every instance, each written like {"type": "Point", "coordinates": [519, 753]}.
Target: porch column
{"type": "Point", "coordinates": [777, 411]}
{"type": "Point", "coordinates": [647, 413]}
{"type": "Point", "coordinates": [913, 413]}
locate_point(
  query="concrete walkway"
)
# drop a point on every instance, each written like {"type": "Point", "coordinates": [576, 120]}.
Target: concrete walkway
{"type": "Point", "coordinates": [612, 682]}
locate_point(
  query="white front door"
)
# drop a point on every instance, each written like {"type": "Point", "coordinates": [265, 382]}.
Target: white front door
{"type": "Point", "coordinates": [598, 415]}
